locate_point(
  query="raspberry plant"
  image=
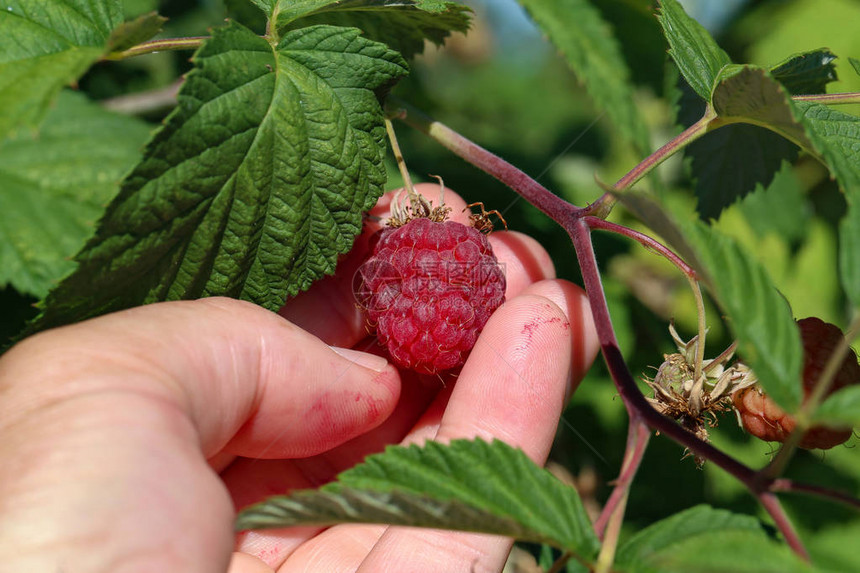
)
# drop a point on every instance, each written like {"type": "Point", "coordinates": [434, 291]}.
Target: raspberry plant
{"type": "Point", "coordinates": [259, 177]}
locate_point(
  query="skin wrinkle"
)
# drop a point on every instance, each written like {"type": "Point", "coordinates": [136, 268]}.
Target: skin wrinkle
{"type": "Point", "coordinates": [442, 548]}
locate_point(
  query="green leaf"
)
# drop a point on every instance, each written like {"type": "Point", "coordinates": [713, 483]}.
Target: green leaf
{"type": "Point", "coordinates": [652, 543]}
{"type": "Point", "coordinates": [835, 136]}
{"type": "Point", "coordinates": [255, 185]}
{"type": "Point", "coordinates": [781, 208]}
{"type": "Point", "coordinates": [729, 162]}
{"type": "Point", "coordinates": [849, 251]}
{"type": "Point", "coordinates": [402, 24]}
{"type": "Point", "coordinates": [640, 37]}
{"type": "Point", "coordinates": [576, 28]}
{"type": "Point", "coordinates": [53, 188]}
{"type": "Point", "coordinates": [806, 73]}
{"type": "Point", "coordinates": [44, 46]}
{"type": "Point", "coordinates": [842, 408]}
{"type": "Point", "coordinates": [695, 52]}
{"type": "Point", "coordinates": [706, 540]}
{"type": "Point", "coordinates": [758, 315]}
{"type": "Point", "coordinates": [745, 94]}
{"type": "Point", "coordinates": [247, 14]}
{"type": "Point", "coordinates": [750, 95]}
{"type": "Point", "coordinates": [855, 63]}
{"type": "Point", "coordinates": [467, 485]}
{"type": "Point", "coordinates": [833, 546]}
{"type": "Point", "coordinates": [134, 8]}
{"type": "Point", "coordinates": [267, 6]}
{"type": "Point", "coordinates": [132, 33]}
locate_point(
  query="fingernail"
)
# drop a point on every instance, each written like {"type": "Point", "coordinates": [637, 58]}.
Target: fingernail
{"type": "Point", "coordinates": [369, 361]}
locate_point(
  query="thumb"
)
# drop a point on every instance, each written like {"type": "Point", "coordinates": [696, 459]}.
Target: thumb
{"type": "Point", "coordinates": [110, 422]}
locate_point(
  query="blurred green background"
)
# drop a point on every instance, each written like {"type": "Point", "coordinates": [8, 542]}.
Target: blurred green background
{"type": "Point", "coordinates": [504, 87]}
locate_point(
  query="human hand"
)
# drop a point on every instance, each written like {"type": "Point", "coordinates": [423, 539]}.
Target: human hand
{"type": "Point", "coordinates": [115, 430]}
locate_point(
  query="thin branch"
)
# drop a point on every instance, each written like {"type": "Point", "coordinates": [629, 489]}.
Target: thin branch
{"type": "Point", "coordinates": [771, 503]}
{"type": "Point", "coordinates": [167, 44]}
{"type": "Point", "coordinates": [703, 327]}
{"type": "Point", "coordinates": [613, 531]}
{"type": "Point", "coordinates": [144, 102]}
{"type": "Point", "coordinates": [648, 242]}
{"type": "Point", "coordinates": [832, 99]}
{"type": "Point", "coordinates": [677, 143]}
{"type": "Point", "coordinates": [559, 565]}
{"type": "Point", "coordinates": [578, 223]}
{"type": "Point", "coordinates": [637, 441]}
{"type": "Point", "coordinates": [398, 156]}
{"type": "Point", "coordinates": [791, 486]}
{"type": "Point", "coordinates": [553, 206]}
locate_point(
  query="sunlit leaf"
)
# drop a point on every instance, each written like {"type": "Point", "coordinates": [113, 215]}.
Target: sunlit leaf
{"type": "Point", "coordinates": [835, 136]}
{"type": "Point", "coordinates": [54, 186]}
{"type": "Point", "coordinates": [806, 73]}
{"type": "Point", "coordinates": [402, 24]}
{"type": "Point", "coordinates": [706, 540]}
{"type": "Point", "coordinates": [45, 46]}
{"type": "Point", "coordinates": [133, 32]}
{"type": "Point", "coordinates": [841, 408]}
{"type": "Point", "coordinates": [695, 52]}
{"type": "Point", "coordinates": [255, 185]}
{"type": "Point", "coordinates": [661, 537]}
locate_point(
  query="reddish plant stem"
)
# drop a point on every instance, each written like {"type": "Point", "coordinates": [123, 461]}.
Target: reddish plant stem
{"type": "Point", "coordinates": [771, 503]}
{"type": "Point", "coordinates": [789, 486]}
{"type": "Point", "coordinates": [553, 206]}
{"type": "Point", "coordinates": [638, 435]}
{"type": "Point", "coordinates": [683, 139]}
{"type": "Point", "coordinates": [643, 239]}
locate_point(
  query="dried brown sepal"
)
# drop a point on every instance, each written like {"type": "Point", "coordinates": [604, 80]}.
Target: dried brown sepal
{"type": "Point", "coordinates": [693, 403]}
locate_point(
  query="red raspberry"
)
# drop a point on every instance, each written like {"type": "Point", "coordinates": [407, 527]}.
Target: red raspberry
{"type": "Point", "coordinates": [762, 418]}
{"type": "Point", "coordinates": [429, 288]}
